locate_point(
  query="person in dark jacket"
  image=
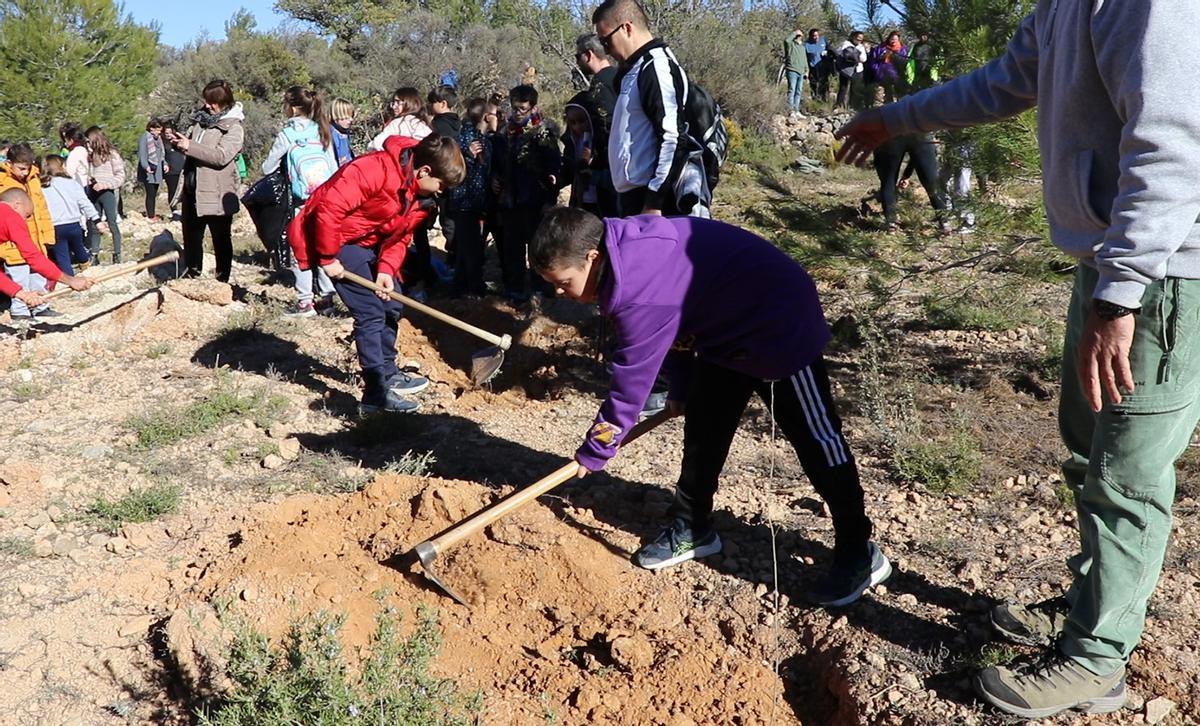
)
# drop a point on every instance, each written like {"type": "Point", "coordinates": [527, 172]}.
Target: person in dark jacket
{"type": "Point", "coordinates": [726, 315]}
{"type": "Point", "coordinates": [526, 162]}
{"type": "Point", "coordinates": [441, 102]}
{"type": "Point", "coordinates": [172, 168]}
{"type": "Point", "coordinates": [469, 201]}
{"type": "Point", "coordinates": [151, 164]}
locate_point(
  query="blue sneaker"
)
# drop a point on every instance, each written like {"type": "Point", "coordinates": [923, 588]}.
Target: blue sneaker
{"type": "Point", "coordinates": [403, 384]}
{"type": "Point", "coordinates": [677, 543]}
{"type": "Point", "coordinates": [843, 585]}
{"type": "Point", "coordinates": [391, 403]}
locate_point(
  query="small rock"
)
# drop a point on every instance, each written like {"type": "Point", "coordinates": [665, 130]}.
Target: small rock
{"type": "Point", "coordinates": [47, 531]}
{"type": "Point", "coordinates": [55, 513]}
{"type": "Point", "coordinates": [136, 536]}
{"type": "Point", "coordinates": [25, 589]}
{"type": "Point", "coordinates": [98, 540]}
{"type": "Point", "coordinates": [212, 292]}
{"type": "Point", "coordinates": [65, 545]}
{"type": "Point", "coordinates": [907, 599]}
{"type": "Point", "coordinates": [116, 545]}
{"type": "Point", "coordinates": [96, 452]}
{"type": "Point", "coordinates": [278, 431]}
{"type": "Point", "coordinates": [272, 461]}
{"type": "Point", "coordinates": [875, 660]}
{"type": "Point", "coordinates": [633, 652]}
{"type": "Point", "coordinates": [760, 590]}
{"type": "Point", "coordinates": [43, 548]}
{"type": "Point", "coordinates": [38, 520]}
{"type": "Point", "coordinates": [289, 449]}
{"type": "Point", "coordinates": [1158, 708]}
{"type": "Point", "coordinates": [894, 696]}
{"type": "Point", "coordinates": [910, 682]}
{"type": "Point", "coordinates": [249, 593]}
{"type": "Point", "coordinates": [137, 626]}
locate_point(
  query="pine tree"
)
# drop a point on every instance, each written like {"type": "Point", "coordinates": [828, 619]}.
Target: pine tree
{"type": "Point", "coordinates": [72, 60]}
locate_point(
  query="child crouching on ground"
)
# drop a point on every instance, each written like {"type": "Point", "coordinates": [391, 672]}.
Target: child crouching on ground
{"type": "Point", "coordinates": [731, 316]}
{"type": "Point", "coordinates": [362, 220]}
{"type": "Point", "coordinates": [15, 209]}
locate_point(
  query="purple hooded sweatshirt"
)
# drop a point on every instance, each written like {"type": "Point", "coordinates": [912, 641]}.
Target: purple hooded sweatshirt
{"type": "Point", "coordinates": [690, 286]}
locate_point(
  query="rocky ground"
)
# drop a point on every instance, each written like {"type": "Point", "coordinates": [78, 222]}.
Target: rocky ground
{"type": "Point", "coordinates": [288, 504]}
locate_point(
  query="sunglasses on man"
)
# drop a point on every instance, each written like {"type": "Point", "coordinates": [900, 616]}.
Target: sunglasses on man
{"type": "Point", "coordinates": [606, 40]}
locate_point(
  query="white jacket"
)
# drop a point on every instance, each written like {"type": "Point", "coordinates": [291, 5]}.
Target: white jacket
{"type": "Point", "coordinates": [407, 125]}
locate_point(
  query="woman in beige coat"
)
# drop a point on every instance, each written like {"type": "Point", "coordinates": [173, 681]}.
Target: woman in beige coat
{"type": "Point", "coordinates": [209, 193]}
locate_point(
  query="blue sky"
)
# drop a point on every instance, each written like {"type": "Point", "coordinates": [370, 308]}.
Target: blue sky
{"type": "Point", "coordinates": [184, 20]}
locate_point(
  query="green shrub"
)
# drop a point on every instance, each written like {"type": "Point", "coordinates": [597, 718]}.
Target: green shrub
{"type": "Point", "coordinates": [139, 505]}
{"type": "Point", "coordinates": [948, 465]}
{"type": "Point", "coordinates": [219, 407]}
{"type": "Point", "coordinates": [306, 680]}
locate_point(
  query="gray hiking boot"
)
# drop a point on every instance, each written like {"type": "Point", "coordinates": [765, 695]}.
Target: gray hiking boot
{"type": "Point", "coordinates": [1049, 685]}
{"type": "Point", "coordinates": [1037, 624]}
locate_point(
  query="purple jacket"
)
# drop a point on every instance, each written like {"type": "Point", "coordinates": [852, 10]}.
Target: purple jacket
{"type": "Point", "coordinates": [699, 287]}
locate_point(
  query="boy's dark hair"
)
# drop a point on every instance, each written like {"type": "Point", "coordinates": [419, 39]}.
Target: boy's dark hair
{"type": "Point", "coordinates": [813, 30]}
{"type": "Point", "coordinates": [444, 94]}
{"type": "Point", "coordinates": [622, 11]}
{"type": "Point", "coordinates": [21, 153]}
{"type": "Point", "coordinates": [443, 157]}
{"type": "Point", "coordinates": [219, 92]}
{"type": "Point", "coordinates": [476, 108]}
{"type": "Point", "coordinates": [564, 238]}
{"type": "Point", "coordinates": [523, 93]}
{"type": "Point", "coordinates": [153, 123]}
{"type": "Point", "coordinates": [71, 131]}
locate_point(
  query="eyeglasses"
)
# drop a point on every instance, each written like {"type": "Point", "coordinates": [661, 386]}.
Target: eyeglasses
{"type": "Point", "coordinates": [606, 40]}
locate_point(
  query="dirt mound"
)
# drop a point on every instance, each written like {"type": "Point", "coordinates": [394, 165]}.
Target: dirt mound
{"type": "Point", "coordinates": [555, 611]}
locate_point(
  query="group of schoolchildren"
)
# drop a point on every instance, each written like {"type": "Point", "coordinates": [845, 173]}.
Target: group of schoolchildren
{"type": "Point", "coordinates": [66, 196]}
{"type": "Point", "coordinates": [718, 311]}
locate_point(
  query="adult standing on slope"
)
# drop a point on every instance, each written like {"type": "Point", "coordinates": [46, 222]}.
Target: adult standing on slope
{"type": "Point", "coordinates": [1120, 176]}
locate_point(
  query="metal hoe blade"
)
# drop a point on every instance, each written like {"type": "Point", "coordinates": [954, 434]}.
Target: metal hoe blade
{"type": "Point", "coordinates": [485, 364]}
{"type": "Point", "coordinates": [427, 553]}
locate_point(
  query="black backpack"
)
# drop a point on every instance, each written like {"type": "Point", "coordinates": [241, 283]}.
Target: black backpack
{"type": "Point", "coordinates": [706, 126]}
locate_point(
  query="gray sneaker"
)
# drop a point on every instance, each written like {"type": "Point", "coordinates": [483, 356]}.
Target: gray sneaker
{"type": "Point", "coordinates": [1038, 624]}
{"type": "Point", "coordinates": [1050, 685]}
{"type": "Point", "coordinates": [677, 543]}
{"type": "Point", "coordinates": [843, 585]}
{"type": "Point", "coordinates": [405, 384]}
{"type": "Point", "coordinates": [391, 403]}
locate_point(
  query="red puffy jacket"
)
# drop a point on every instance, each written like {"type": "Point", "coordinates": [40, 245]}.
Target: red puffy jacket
{"type": "Point", "coordinates": [371, 202]}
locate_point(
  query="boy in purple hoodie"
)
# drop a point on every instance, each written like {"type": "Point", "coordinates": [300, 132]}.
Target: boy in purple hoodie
{"type": "Point", "coordinates": [725, 314]}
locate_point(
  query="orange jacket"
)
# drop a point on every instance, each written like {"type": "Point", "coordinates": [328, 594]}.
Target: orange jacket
{"type": "Point", "coordinates": [41, 228]}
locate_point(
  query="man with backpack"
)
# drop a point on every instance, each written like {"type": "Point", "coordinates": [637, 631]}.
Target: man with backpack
{"type": "Point", "coordinates": [648, 147]}
{"type": "Point", "coordinates": [851, 55]}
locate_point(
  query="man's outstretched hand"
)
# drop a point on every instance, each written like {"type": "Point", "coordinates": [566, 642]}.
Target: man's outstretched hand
{"type": "Point", "coordinates": [861, 135]}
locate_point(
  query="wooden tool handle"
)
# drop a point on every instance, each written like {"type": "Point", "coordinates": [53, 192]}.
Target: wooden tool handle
{"type": "Point", "coordinates": [527, 494]}
{"type": "Point", "coordinates": [503, 341]}
{"type": "Point", "coordinates": [113, 274]}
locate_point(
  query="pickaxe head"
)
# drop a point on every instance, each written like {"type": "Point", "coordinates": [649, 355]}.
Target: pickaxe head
{"type": "Point", "coordinates": [486, 363]}
{"type": "Point", "coordinates": [427, 553]}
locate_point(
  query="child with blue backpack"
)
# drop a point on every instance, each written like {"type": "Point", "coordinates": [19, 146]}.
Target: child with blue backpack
{"type": "Point", "coordinates": [305, 145]}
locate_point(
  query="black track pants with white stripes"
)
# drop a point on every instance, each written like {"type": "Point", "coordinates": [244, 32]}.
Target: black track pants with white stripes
{"type": "Point", "coordinates": [805, 415]}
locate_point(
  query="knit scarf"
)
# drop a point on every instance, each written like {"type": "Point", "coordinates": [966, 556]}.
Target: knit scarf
{"type": "Point", "coordinates": [516, 128]}
{"type": "Point", "coordinates": [894, 46]}
{"type": "Point", "coordinates": [205, 120]}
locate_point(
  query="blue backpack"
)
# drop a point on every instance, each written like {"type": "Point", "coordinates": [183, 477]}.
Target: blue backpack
{"type": "Point", "coordinates": [307, 161]}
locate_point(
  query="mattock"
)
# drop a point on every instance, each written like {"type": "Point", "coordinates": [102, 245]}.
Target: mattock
{"type": "Point", "coordinates": [485, 364]}
{"type": "Point", "coordinates": [429, 550]}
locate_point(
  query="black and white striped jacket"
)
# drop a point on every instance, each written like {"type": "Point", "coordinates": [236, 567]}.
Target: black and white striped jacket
{"type": "Point", "coordinates": [646, 147]}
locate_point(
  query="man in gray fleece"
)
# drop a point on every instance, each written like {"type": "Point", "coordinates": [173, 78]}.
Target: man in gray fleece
{"type": "Point", "coordinates": [1120, 144]}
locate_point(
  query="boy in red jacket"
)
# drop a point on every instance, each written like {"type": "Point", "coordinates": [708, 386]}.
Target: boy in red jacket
{"type": "Point", "coordinates": [15, 208]}
{"type": "Point", "coordinates": [362, 220]}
